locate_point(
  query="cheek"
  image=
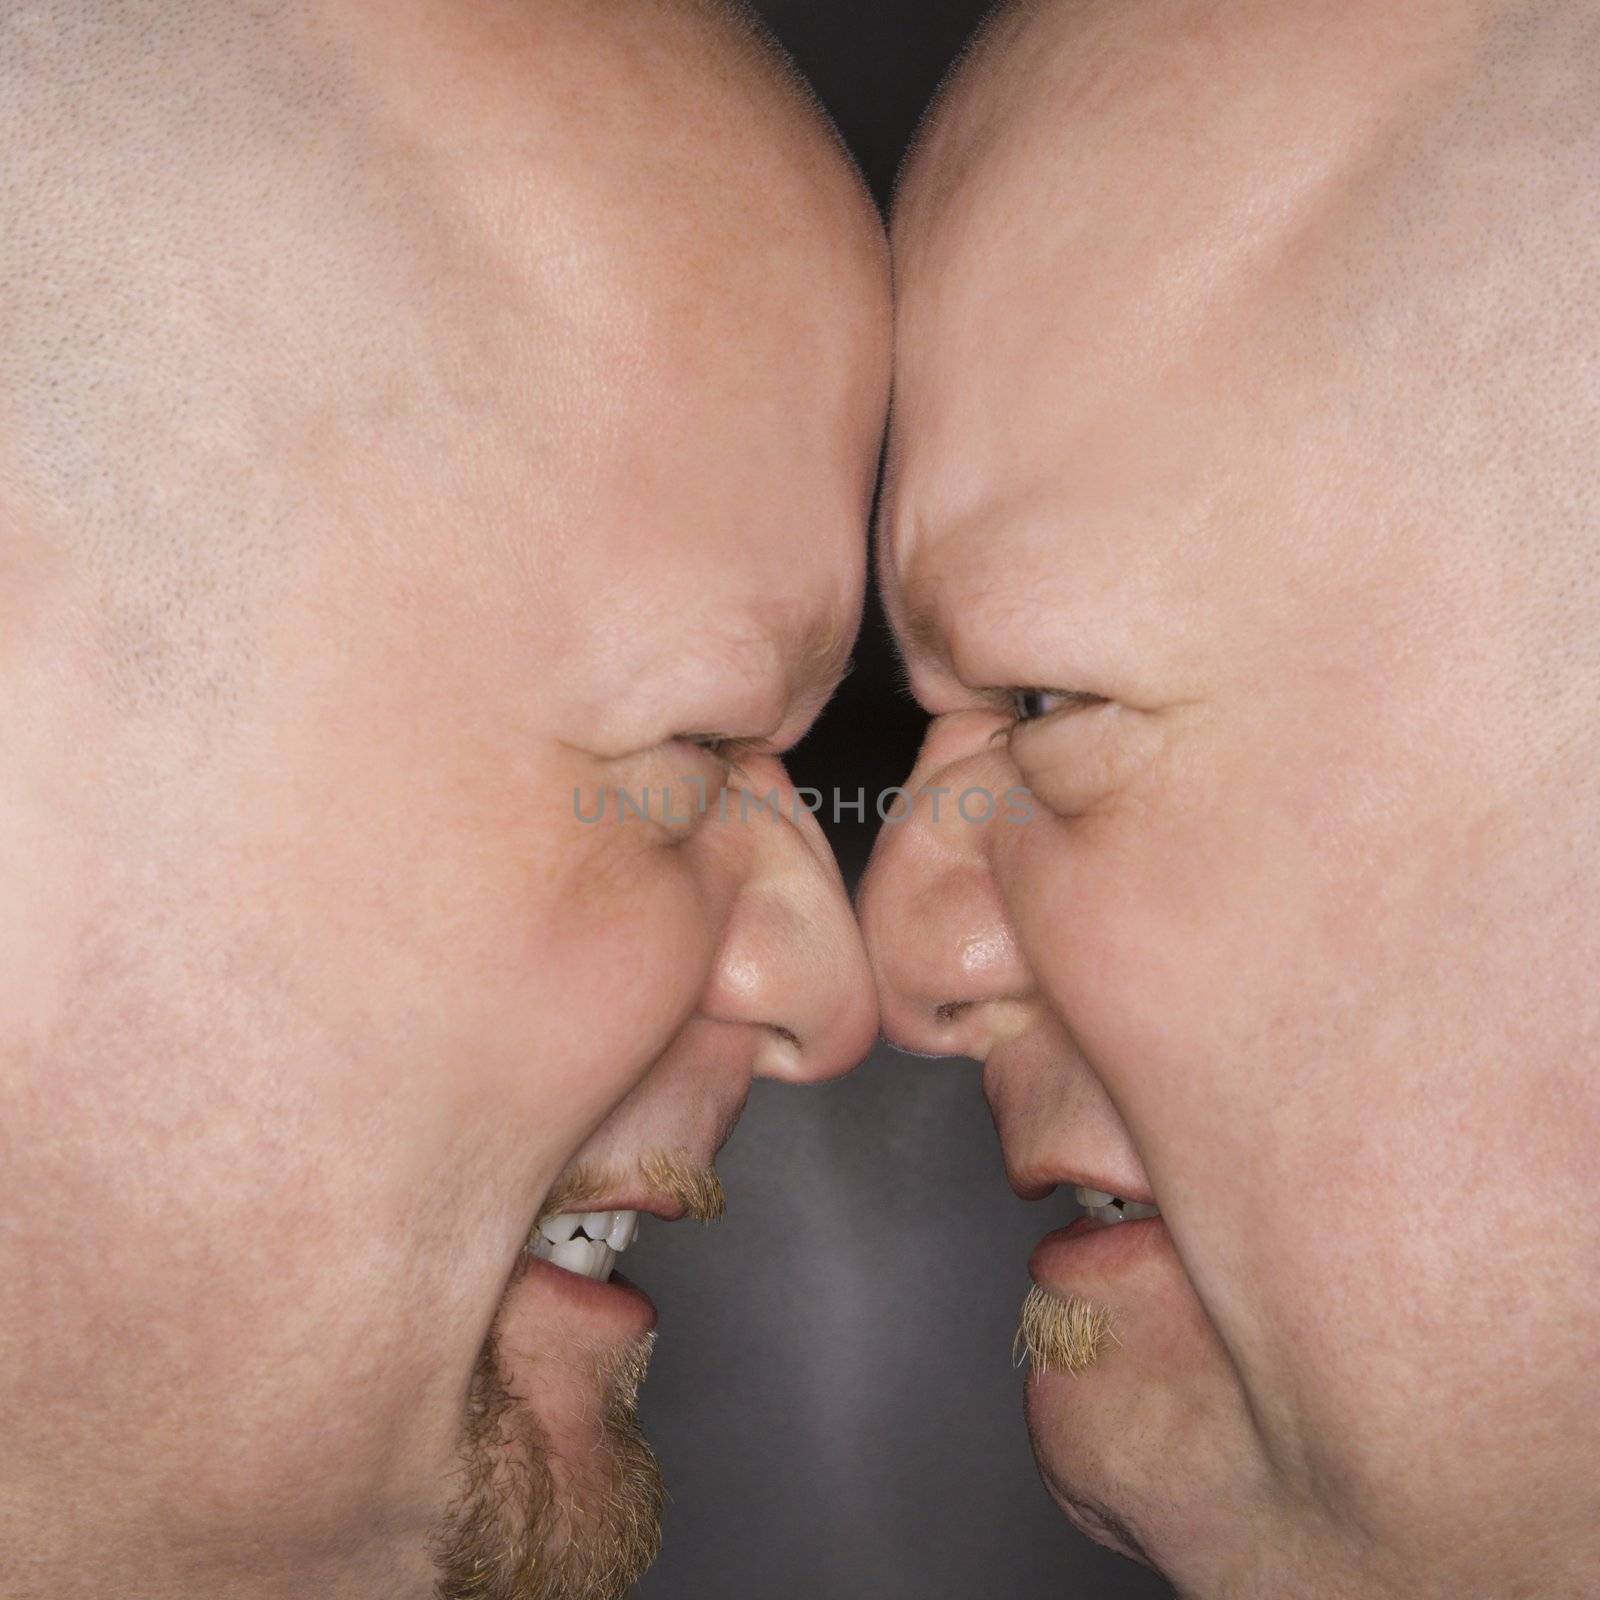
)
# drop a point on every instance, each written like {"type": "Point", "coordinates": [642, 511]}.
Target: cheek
{"type": "Point", "coordinates": [545, 1009]}
{"type": "Point", "coordinates": [1188, 978]}
{"type": "Point", "coordinates": [1223, 976]}
{"type": "Point", "coordinates": [1285, 998]}
{"type": "Point", "coordinates": [618, 958]}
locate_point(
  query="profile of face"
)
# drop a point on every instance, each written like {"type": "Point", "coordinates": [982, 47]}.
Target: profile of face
{"type": "Point", "coordinates": [1241, 504]}
{"type": "Point", "coordinates": [420, 433]}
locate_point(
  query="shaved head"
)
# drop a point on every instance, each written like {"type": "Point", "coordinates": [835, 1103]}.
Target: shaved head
{"type": "Point", "coordinates": [412, 415]}
{"type": "Point", "coordinates": [208, 215]}
{"type": "Point", "coordinates": [1405, 201]}
{"type": "Point", "coordinates": [1243, 502]}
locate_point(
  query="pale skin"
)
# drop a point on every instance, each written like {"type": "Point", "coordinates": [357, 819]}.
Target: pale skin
{"type": "Point", "coordinates": [1246, 400]}
{"type": "Point", "coordinates": [487, 407]}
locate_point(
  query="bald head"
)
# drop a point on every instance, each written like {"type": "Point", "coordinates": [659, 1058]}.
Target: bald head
{"type": "Point", "coordinates": [1243, 494]}
{"type": "Point", "coordinates": [412, 416]}
{"type": "Point", "coordinates": [254, 259]}
{"type": "Point", "coordinates": [1396, 211]}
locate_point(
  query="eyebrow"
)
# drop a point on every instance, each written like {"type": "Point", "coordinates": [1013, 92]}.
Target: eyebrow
{"type": "Point", "coordinates": [803, 650]}
{"type": "Point", "coordinates": [818, 656]}
{"type": "Point", "coordinates": [915, 621]}
{"type": "Point", "coordinates": [920, 632]}
{"type": "Point", "coordinates": [927, 631]}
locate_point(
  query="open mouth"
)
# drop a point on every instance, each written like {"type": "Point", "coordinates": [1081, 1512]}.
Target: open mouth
{"type": "Point", "coordinates": [585, 1243]}
{"type": "Point", "coordinates": [1110, 1208]}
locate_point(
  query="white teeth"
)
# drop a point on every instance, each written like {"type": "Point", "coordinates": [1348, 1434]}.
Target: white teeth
{"type": "Point", "coordinates": [589, 1258]}
{"type": "Point", "coordinates": [573, 1254]}
{"type": "Point", "coordinates": [1104, 1207]}
{"type": "Point", "coordinates": [560, 1240]}
{"type": "Point", "coordinates": [558, 1229]}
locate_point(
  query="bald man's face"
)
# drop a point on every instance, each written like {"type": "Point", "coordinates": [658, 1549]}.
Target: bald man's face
{"type": "Point", "coordinates": [383, 884]}
{"type": "Point", "coordinates": [1271, 586]}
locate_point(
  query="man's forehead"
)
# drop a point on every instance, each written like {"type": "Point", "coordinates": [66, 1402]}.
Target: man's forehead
{"type": "Point", "coordinates": [1125, 306]}
{"type": "Point", "coordinates": [777, 663]}
{"type": "Point", "coordinates": [804, 641]}
{"type": "Point", "coordinates": [1125, 165]}
{"type": "Point", "coordinates": [718, 624]}
{"type": "Point", "coordinates": [1148, 88]}
{"type": "Point", "coordinates": [1012, 568]}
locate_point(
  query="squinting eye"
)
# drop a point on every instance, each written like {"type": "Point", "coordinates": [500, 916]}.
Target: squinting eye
{"type": "Point", "coordinates": [1028, 705]}
{"type": "Point", "coordinates": [719, 747]}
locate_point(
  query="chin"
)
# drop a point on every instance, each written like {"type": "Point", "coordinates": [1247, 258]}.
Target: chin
{"type": "Point", "coordinates": [1096, 1460]}
{"type": "Point", "coordinates": [1135, 1489]}
{"type": "Point", "coordinates": [558, 1495]}
{"type": "Point", "coordinates": [1150, 1452]}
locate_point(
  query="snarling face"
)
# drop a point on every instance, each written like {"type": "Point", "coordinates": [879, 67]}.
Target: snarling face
{"type": "Point", "coordinates": [440, 509]}
{"type": "Point", "coordinates": [1240, 506]}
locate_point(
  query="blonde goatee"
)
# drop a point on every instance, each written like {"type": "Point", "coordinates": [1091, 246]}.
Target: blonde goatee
{"type": "Point", "coordinates": [1061, 1334]}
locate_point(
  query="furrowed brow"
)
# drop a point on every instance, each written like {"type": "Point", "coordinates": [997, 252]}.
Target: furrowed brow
{"type": "Point", "coordinates": [819, 656]}
{"type": "Point", "coordinates": [919, 630]}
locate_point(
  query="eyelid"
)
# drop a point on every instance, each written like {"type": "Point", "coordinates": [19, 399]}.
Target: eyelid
{"type": "Point", "coordinates": [721, 743]}
{"type": "Point", "coordinates": [1071, 700]}
{"type": "Point", "coordinates": [726, 748]}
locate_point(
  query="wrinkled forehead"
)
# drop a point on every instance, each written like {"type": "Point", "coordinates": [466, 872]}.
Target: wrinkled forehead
{"type": "Point", "coordinates": [1198, 338]}
{"type": "Point", "coordinates": [575, 343]}
{"type": "Point", "coordinates": [656, 388]}
{"type": "Point", "coordinates": [681, 492]}
{"type": "Point", "coordinates": [713, 492]}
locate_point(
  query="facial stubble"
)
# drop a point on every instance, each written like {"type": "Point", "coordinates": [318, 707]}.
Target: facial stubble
{"type": "Point", "coordinates": [515, 1532]}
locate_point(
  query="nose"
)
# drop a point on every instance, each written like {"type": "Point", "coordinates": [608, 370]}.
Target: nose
{"type": "Point", "coordinates": [951, 979]}
{"type": "Point", "coordinates": [792, 962]}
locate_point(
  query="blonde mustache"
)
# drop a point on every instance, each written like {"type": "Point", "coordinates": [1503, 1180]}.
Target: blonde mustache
{"type": "Point", "coordinates": [1059, 1334]}
{"type": "Point", "coordinates": [674, 1173]}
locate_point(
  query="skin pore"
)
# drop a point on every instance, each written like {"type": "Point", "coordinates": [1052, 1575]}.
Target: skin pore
{"type": "Point", "coordinates": [1246, 404]}
{"type": "Point", "coordinates": [412, 416]}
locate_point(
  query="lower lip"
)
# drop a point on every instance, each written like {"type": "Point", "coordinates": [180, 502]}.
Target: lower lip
{"type": "Point", "coordinates": [1086, 1247]}
{"type": "Point", "coordinates": [616, 1309]}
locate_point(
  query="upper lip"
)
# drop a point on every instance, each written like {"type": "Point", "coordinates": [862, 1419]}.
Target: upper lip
{"type": "Point", "coordinates": [1036, 1183]}
{"type": "Point", "coordinates": [654, 1205]}
{"type": "Point", "coordinates": [1038, 1160]}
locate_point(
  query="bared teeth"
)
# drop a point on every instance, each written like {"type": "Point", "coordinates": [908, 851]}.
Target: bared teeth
{"type": "Point", "coordinates": [1105, 1207]}
{"type": "Point", "coordinates": [584, 1242]}
{"type": "Point", "coordinates": [589, 1258]}
{"type": "Point", "coordinates": [559, 1229]}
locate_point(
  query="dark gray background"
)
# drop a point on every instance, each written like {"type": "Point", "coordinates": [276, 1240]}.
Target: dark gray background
{"type": "Point", "coordinates": [832, 1396]}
